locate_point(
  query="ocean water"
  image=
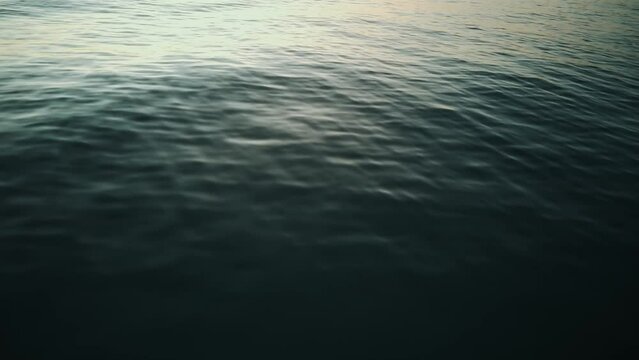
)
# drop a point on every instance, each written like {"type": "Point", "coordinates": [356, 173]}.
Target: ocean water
{"type": "Point", "coordinates": [344, 179]}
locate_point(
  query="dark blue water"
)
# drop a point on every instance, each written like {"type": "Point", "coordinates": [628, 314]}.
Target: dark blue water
{"type": "Point", "coordinates": [346, 179]}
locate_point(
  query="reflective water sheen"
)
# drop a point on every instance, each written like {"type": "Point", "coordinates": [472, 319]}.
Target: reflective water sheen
{"type": "Point", "coordinates": [351, 179]}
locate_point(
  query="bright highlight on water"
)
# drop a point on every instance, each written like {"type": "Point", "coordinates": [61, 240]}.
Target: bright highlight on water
{"type": "Point", "coordinates": [343, 179]}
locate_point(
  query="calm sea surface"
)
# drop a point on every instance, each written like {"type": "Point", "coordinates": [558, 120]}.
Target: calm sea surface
{"type": "Point", "coordinates": [345, 179]}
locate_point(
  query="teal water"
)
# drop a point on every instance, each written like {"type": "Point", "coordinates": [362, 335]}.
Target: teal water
{"type": "Point", "coordinates": [345, 179]}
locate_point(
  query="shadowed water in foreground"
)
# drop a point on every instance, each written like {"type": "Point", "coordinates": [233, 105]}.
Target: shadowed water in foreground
{"type": "Point", "coordinates": [318, 179]}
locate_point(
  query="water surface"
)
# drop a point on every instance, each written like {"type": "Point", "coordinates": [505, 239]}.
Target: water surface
{"type": "Point", "coordinates": [356, 179]}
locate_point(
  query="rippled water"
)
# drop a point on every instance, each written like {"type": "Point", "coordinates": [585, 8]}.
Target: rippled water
{"type": "Point", "coordinates": [357, 179]}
